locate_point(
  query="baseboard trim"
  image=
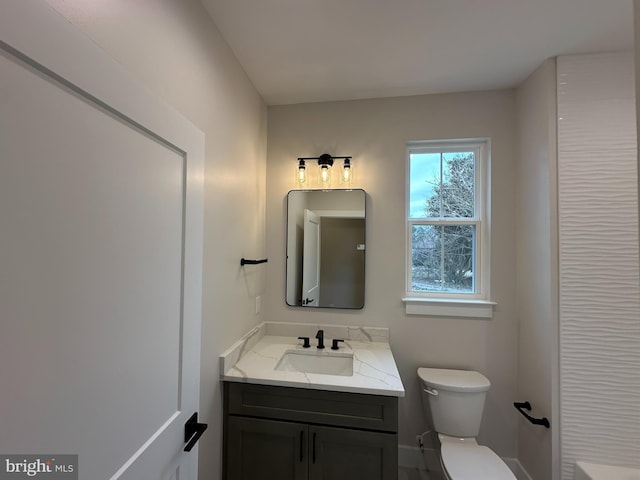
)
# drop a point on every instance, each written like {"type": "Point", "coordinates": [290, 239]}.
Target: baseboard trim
{"type": "Point", "coordinates": [412, 457]}
{"type": "Point", "coordinates": [519, 470]}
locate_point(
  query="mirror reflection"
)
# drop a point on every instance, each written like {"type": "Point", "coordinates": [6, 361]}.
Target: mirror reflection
{"type": "Point", "coordinates": [326, 248]}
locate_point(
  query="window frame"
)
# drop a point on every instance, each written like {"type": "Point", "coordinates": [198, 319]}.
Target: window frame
{"type": "Point", "coordinates": [425, 302]}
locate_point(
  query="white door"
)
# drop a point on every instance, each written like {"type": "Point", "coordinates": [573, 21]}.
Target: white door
{"type": "Point", "coordinates": [311, 260]}
{"type": "Point", "coordinates": [100, 257]}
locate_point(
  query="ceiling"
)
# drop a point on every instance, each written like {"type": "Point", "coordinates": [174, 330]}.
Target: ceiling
{"type": "Point", "coordinates": [298, 51]}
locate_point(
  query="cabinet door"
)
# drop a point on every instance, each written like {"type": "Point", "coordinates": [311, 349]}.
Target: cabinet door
{"type": "Point", "coordinates": [266, 449]}
{"type": "Point", "coordinates": [341, 454]}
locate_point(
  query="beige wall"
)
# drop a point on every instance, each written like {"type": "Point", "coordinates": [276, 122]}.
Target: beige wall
{"type": "Point", "coordinates": [173, 48]}
{"type": "Point", "coordinates": [375, 132]}
{"type": "Point", "coordinates": [537, 266]}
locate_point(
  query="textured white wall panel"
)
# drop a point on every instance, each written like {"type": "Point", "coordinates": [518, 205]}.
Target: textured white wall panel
{"type": "Point", "coordinates": [599, 265]}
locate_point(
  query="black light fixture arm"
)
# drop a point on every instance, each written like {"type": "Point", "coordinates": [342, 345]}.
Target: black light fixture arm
{"type": "Point", "coordinates": [325, 157]}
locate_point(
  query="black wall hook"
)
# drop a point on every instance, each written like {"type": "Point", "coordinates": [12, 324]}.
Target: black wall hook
{"type": "Point", "coordinates": [193, 431]}
{"type": "Point", "coordinates": [244, 261]}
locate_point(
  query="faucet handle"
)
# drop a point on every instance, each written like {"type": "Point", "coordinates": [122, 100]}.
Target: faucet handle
{"type": "Point", "coordinates": [306, 343]}
{"type": "Point", "coordinates": [334, 343]}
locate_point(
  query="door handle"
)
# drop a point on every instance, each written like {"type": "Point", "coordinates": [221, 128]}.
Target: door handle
{"type": "Point", "coordinates": [314, 448]}
{"type": "Point", "coordinates": [193, 431]}
{"type": "Point", "coordinates": [301, 445]}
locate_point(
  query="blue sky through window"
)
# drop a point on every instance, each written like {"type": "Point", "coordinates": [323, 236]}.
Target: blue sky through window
{"type": "Point", "coordinates": [424, 174]}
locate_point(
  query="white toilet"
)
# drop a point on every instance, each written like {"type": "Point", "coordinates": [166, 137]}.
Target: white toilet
{"type": "Point", "coordinates": [454, 401]}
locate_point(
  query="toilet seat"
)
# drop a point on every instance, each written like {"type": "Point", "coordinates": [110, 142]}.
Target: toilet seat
{"type": "Point", "coordinates": [470, 461]}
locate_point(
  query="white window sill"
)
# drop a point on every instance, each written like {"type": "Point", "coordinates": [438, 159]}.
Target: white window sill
{"type": "Point", "coordinates": [439, 307]}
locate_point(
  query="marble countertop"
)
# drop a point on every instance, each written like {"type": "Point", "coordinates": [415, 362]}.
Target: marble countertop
{"type": "Point", "coordinates": [254, 357]}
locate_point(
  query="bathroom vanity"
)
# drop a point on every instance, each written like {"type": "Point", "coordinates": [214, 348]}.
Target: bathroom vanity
{"type": "Point", "coordinates": [280, 422]}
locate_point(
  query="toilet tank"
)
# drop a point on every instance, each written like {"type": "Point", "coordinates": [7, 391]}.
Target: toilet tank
{"type": "Point", "coordinates": [456, 402]}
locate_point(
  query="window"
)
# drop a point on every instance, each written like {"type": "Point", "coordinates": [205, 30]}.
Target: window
{"type": "Point", "coordinates": [447, 227]}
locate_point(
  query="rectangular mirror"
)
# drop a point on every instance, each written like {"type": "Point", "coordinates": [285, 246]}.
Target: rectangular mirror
{"type": "Point", "coordinates": [326, 248]}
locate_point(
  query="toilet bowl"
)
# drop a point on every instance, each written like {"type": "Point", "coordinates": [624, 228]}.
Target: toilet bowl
{"type": "Point", "coordinates": [454, 402]}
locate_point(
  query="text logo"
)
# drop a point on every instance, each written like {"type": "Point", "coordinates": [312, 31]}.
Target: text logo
{"type": "Point", "coordinates": [45, 467]}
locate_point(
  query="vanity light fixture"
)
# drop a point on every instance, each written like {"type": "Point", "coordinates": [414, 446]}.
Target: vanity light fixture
{"type": "Point", "coordinates": [325, 162]}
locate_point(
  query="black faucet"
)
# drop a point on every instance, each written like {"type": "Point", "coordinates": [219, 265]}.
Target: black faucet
{"type": "Point", "coordinates": [320, 337]}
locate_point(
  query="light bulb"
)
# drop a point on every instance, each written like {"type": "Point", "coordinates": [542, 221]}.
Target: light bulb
{"type": "Point", "coordinates": [325, 176]}
{"type": "Point", "coordinates": [346, 172]}
{"type": "Point", "coordinates": [301, 174]}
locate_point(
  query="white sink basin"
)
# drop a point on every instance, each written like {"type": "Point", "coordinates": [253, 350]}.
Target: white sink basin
{"type": "Point", "coordinates": [316, 362]}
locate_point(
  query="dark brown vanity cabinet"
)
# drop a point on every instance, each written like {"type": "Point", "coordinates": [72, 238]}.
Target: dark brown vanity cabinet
{"type": "Point", "coordinates": [289, 433]}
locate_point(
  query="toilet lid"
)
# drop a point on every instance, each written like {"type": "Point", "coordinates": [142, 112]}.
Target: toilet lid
{"type": "Point", "coordinates": [454, 380]}
{"type": "Point", "coordinates": [474, 462]}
